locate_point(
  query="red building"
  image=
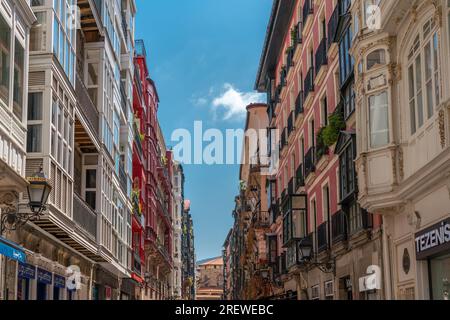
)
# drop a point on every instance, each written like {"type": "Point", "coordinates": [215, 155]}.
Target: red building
{"type": "Point", "coordinates": [152, 193]}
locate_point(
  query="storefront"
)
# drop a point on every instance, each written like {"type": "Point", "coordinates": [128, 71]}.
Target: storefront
{"type": "Point", "coordinates": [59, 284]}
{"type": "Point", "coordinates": [25, 276]}
{"type": "Point", "coordinates": [433, 246]}
{"type": "Point", "coordinates": [44, 282]}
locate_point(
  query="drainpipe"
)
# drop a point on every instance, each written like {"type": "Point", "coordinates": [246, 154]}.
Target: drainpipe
{"type": "Point", "coordinates": [386, 261]}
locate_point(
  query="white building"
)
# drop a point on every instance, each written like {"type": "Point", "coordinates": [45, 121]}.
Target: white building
{"type": "Point", "coordinates": [403, 139]}
{"type": "Point", "coordinates": [178, 199]}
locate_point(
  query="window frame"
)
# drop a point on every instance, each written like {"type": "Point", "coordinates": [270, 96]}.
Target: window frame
{"type": "Point", "coordinates": [417, 52]}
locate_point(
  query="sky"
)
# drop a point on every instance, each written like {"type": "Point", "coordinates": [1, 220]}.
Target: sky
{"type": "Point", "coordinates": [203, 56]}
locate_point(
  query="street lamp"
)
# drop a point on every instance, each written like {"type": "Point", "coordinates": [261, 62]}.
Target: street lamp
{"type": "Point", "coordinates": [305, 248]}
{"type": "Point", "coordinates": [38, 190]}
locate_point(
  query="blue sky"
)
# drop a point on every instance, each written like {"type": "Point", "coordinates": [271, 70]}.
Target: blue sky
{"type": "Point", "coordinates": [203, 56]}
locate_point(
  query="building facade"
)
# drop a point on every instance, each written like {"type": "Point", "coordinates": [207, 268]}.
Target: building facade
{"type": "Point", "coordinates": [189, 275]}
{"type": "Point", "coordinates": [210, 279]}
{"type": "Point", "coordinates": [178, 203]}
{"type": "Point", "coordinates": [402, 112]}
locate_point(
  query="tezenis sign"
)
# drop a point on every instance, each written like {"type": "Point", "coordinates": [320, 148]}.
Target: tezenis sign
{"type": "Point", "coordinates": [433, 240]}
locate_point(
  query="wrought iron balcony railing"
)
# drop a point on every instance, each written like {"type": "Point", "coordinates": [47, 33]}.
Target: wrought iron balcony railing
{"type": "Point", "coordinates": [309, 83]}
{"type": "Point", "coordinates": [339, 227]}
{"type": "Point", "coordinates": [300, 177]}
{"type": "Point", "coordinates": [322, 237]}
{"type": "Point", "coordinates": [310, 162]}
{"type": "Point", "coordinates": [333, 25]}
{"type": "Point", "coordinates": [290, 123]}
{"type": "Point", "coordinates": [308, 9]}
{"type": "Point", "coordinates": [299, 104]}
{"type": "Point", "coordinates": [321, 55]}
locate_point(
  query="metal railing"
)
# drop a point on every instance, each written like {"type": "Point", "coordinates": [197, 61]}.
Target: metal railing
{"type": "Point", "coordinates": [290, 123]}
{"type": "Point", "coordinates": [308, 9]}
{"type": "Point", "coordinates": [299, 104]}
{"type": "Point", "coordinates": [338, 227]}
{"type": "Point", "coordinates": [84, 216]}
{"type": "Point", "coordinates": [333, 25]}
{"type": "Point", "coordinates": [310, 161]}
{"type": "Point", "coordinates": [300, 177]}
{"type": "Point", "coordinates": [321, 55]}
{"type": "Point", "coordinates": [309, 83]}
{"type": "Point", "coordinates": [86, 105]}
{"type": "Point", "coordinates": [261, 219]}
{"type": "Point", "coordinates": [322, 237]}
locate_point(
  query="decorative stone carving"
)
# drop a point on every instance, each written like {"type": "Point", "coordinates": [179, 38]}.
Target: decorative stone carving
{"type": "Point", "coordinates": [441, 121]}
{"type": "Point", "coordinates": [401, 170]}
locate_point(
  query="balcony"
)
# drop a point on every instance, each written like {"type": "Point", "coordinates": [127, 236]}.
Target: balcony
{"type": "Point", "coordinates": [297, 34]}
{"type": "Point", "coordinates": [123, 178]}
{"type": "Point", "coordinates": [290, 188]}
{"type": "Point", "coordinates": [299, 177]}
{"type": "Point", "coordinates": [333, 26]}
{"type": "Point", "coordinates": [339, 227]}
{"type": "Point", "coordinates": [84, 216]}
{"type": "Point", "coordinates": [310, 163]}
{"type": "Point", "coordinates": [321, 57]}
{"type": "Point", "coordinates": [322, 237]}
{"type": "Point", "coordinates": [283, 76]}
{"type": "Point", "coordinates": [137, 263]}
{"type": "Point", "coordinates": [309, 83]}
{"type": "Point", "coordinates": [290, 124]}
{"type": "Point", "coordinates": [289, 58]}
{"type": "Point", "coordinates": [284, 139]}
{"type": "Point", "coordinates": [140, 48]}
{"type": "Point", "coordinates": [86, 106]}
{"type": "Point", "coordinates": [261, 219]}
{"type": "Point", "coordinates": [308, 10]}
{"type": "Point", "coordinates": [138, 141]}
{"type": "Point", "coordinates": [299, 105]}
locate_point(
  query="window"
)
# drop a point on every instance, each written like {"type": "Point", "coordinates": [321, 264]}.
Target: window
{"type": "Point", "coordinates": [376, 58]}
{"type": "Point", "coordinates": [324, 111]}
{"type": "Point", "coordinates": [38, 33]}
{"type": "Point", "coordinates": [34, 134]}
{"type": "Point", "coordinates": [347, 171]}
{"type": "Point", "coordinates": [423, 76]}
{"type": "Point", "coordinates": [346, 61]}
{"type": "Point", "coordinates": [379, 120]}
{"type": "Point", "coordinates": [90, 187]}
{"type": "Point", "coordinates": [315, 293]}
{"type": "Point", "coordinates": [329, 290]}
{"type": "Point", "coordinates": [5, 51]}
{"type": "Point", "coordinates": [348, 94]}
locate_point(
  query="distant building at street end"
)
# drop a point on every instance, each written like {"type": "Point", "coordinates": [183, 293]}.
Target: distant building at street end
{"type": "Point", "coordinates": [210, 279]}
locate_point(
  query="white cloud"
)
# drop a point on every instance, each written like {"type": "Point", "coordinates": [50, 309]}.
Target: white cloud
{"type": "Point", "coordinates": [199, 102]}
{"type": "Point", "coordinates": [234, 102]}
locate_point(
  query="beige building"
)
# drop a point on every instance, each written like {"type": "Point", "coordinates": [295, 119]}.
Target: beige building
{"type": "Point", "coordinates": [403, 142]}
{"type": "Point", "coordinates": [210, 279]}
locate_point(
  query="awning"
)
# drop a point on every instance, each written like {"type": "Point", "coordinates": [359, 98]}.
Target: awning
{"type": "Point", "coordinates": [12, 250]}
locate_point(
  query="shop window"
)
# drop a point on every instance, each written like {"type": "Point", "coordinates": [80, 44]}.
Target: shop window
{"type": "Point", "coordinates": [5, 51]}
{"type": "Point", "coordinates": [379, 120]}
{"type": "Point", "coordinates": [375, 59]}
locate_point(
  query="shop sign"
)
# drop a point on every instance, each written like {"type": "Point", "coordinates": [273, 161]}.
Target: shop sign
{"type": "Point", "coordinates": [108, 293]}
{"type": "Point", "coordinates": [59, 281]}
{"type": "Point", "coordinates": [44, 276]}
{"type": "Point", "coordinates": [433, 240]}
{"type": "Point", "coordinates": [372, 281]}
{"type": "Point", "coordinates": [26, 271]}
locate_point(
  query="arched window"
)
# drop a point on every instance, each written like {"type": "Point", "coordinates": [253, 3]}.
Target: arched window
{"type": "Point", "coordinates": [376, 58]}
{"type": "Point", "coordinates": [423, 75]}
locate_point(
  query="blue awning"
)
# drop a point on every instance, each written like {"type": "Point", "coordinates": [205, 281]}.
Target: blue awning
{"type": "Point", "coordinates": [12, 250]}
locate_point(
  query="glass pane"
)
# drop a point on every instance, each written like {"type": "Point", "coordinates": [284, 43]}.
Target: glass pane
{"type": "Point", "coordinates": [91, 179]}
{"type": "Point", "coordinates": [440, 277]}
{"type": "Point", "coordinates": [419, 90]}
{"type": "Point", "coordinates": [379, 120]}
{"type": "Point", "coordinates": [19, 73]}
{"type": "Point", "coordinates": [5, 51]}
{"type": "Point", "coordinates": [35, 106]}
{"type": "Point", "coordinates": [90, 199]}
{"type": "Point", "coordinates": [376, 58]}
{"type": "Point", "coordinates": [38, 33]}
{"type": "Point", "coordinates": [34, 138]}
{"type": "Point", "coordinates": [436, 67]}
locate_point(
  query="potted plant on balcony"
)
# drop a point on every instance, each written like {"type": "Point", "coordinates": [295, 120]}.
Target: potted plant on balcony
{"type": "Point", "coordinates": [331, 132]}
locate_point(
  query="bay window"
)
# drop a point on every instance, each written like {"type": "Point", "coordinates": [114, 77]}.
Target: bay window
{"type": "Point", "coordinates": [5, 51]}
{"type": "Point", "coordinates": [379, 119]}
{"type": "Point", "coordinates": [34, 134]}
{"type": "Point", "coordinates": [19, 74]}
{"type": "Point", "coordinates": [423, 76]}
